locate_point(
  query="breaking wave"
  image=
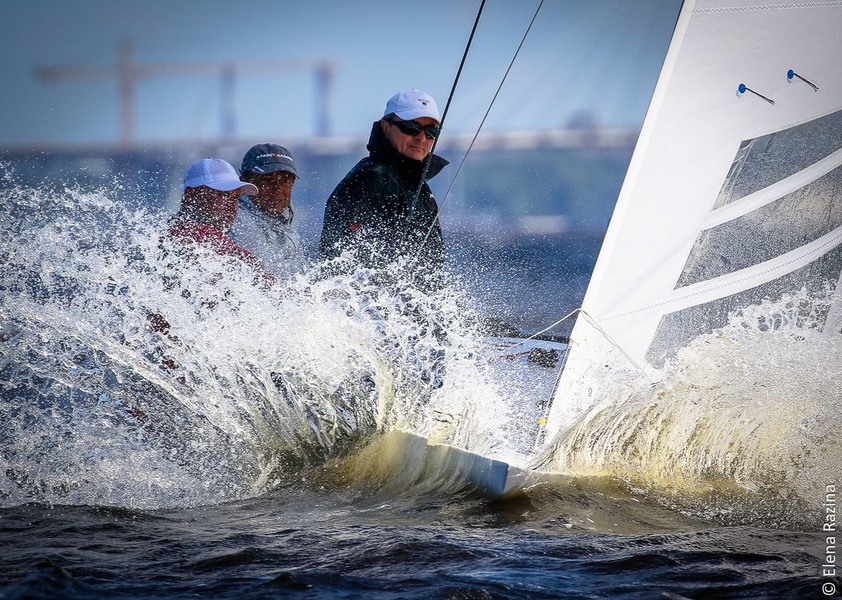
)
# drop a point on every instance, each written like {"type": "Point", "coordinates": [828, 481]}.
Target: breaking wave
{"type": "Point", "coordinates": [743, 425]}
{"type": "Point", "coordinates": [243, 388]}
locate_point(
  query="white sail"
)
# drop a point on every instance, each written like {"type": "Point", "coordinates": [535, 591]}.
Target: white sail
{"type": "Point", "coordinates": [734, 192]}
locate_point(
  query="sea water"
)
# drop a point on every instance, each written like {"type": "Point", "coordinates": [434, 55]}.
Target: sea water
{"type": "Point", "coordinates": [249, 449]}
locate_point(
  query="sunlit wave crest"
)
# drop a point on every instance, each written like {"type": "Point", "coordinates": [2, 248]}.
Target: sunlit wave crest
{"type": "Point", "coordinates": [742, 426]}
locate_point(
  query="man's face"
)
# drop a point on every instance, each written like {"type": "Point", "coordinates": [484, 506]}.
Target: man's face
{"type": "Point", "coordinates": [213, 207]}
{"type": "Point", "coordinates": [274, 190]}
{"type": "Point", "coordinates": [416, 146]}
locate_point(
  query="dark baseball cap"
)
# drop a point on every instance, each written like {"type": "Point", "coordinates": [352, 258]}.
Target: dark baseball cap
{"type": "Point", "coordinates": [268, 158]}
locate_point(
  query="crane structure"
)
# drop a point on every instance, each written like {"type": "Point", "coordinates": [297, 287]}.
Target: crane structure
{"type": "Point", "coordinates": [128, 72]}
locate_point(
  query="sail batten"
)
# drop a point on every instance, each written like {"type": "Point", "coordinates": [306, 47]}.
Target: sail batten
{"type": "Point", "coordinates": [738, 281]}
{"type": "Point", "coordinates": [773, 192]}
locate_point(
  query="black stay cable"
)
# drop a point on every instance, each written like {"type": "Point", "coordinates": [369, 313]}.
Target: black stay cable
{"type": "Point", "coordinates": [446, 108]}
{"type": "Point", "coordinates": [459, 72]}
{"type": "Point", "coordinates": [476, 134]}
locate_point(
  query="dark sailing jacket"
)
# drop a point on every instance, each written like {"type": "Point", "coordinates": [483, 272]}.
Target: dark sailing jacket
{"type": "Point", "coordinates": [373, 211]}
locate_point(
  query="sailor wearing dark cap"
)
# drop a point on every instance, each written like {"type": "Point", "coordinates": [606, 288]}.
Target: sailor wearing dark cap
{"type": "Point", "coordinates": [264, 220]}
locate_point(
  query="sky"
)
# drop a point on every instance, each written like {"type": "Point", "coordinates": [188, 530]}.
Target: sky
{"type": "Point", "coordinates": [599, 58]}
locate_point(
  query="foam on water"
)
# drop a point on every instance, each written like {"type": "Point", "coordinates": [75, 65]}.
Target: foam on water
{"type": "Point", "coordinates": [248, 386]}
{"type": "Point", "coordinates": [743, 425]}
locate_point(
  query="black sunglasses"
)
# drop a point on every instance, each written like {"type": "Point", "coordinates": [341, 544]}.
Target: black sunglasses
{"type": "Point", "coordinates": [413, 128]}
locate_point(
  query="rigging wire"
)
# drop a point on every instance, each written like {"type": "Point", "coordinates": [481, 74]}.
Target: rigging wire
{"type": "Point", "coordinates": [544, 330]}
{"type": "Point", "coordinates": [456, 79]}
{"type": "Point", "coordinates": [546, 406]}
{"type": "Point", "coordinates": [479, 128]}
{"type": "Point", "coordinates": [446, 109]}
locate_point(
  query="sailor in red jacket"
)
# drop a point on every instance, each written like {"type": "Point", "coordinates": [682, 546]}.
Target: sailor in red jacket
{"type": "Point", "coordinates": [209, 201]}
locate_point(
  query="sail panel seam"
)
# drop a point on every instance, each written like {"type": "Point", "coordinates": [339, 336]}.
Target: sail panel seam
{"type": "Point", "coordinates": [789, 6]}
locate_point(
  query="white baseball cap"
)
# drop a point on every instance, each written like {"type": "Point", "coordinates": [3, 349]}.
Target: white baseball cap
{"type": "Point", "coordinates": [412, 104]}
{"type": "Point", "coordinates": [217, 174]}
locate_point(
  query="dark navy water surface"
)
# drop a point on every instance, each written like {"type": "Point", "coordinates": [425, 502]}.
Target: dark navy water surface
{"type": "Point", "coordinates": [315, 544]}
